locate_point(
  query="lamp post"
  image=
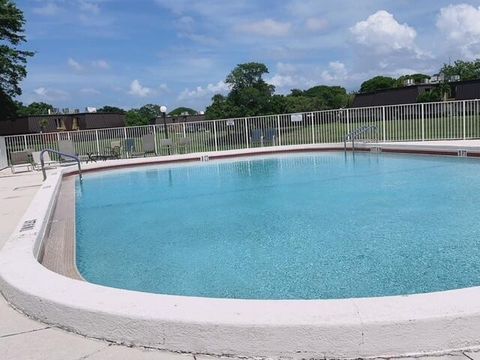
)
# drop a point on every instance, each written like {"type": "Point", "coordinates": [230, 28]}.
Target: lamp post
{"type": "Point", "coordinates": [163, 110]}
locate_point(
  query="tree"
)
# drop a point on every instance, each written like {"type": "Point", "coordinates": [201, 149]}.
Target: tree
{"type": "Point", "coordinates": [296, 92]}
{"type": "Point", "coordinates": [467, 70]}
{"type": "Point", "coordinates": [431, 96]}
{"type": "Point", "coordinates": [333, 97]}
{"type": "Point", "coordinates": [221, 108]}
{"type": "Point", "coordinates": [377, 83]}
{"type": "Point", "coordinates": [43, 123]}
{"type": "Point", "coordinates": [182, 111]}
{"type": "Point", "coordinates": [35, 108]}
{"type": "Point", "coordinates": [111, 109]}
{"type": "Point", "coordinates": [250, 95]}
{"type": "Point", "coordinates": [249, 75]}
{"type": "Point", "coordinates": [135, 118]}
{"type": "Point", "coordinates": [12, 59]}
{"type": "Point", "coordinates": [8, 107]}
{"type": "Point", "coordinates": [150, 112]}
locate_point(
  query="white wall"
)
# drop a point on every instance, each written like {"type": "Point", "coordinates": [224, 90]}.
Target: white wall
{"type": "Point", "coordinates": [3, 154]}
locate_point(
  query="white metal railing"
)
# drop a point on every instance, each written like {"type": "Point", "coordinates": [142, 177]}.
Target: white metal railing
{"type": "Point", "coordinates": [409, 122]}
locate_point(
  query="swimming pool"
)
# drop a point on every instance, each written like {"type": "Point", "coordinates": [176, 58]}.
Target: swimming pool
{"type": "Point", "coordinates": [309, 226]}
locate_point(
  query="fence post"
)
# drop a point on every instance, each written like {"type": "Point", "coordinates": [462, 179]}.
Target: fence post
{"type": "Point", "coordinates": [215, 133]}
{"type": "Point", "coordinates": [279, 132]}
{"type": "Point", "coordinates": [464, 121]}
{"type": "Point", "coordinates": [423, 122]}
{"type": "Point", "coordinates": [348, 121]}
{"type": "Point", "coordinates": [384, 124]}
{"type": "Point", "coordinates": [184, 131]}
{"type": "Point", "coordinates": [313, 128]}
{"type": "Point", "coordinates": [155, 138]}
{"type": "Point", "coordinates": [25, 141]}
{"type": "Point", "coordinates": [125, 133]}
{"type": "Point", "coordinates": [246, 131]}
{"type": "Point", "coordinates": [98, 144]}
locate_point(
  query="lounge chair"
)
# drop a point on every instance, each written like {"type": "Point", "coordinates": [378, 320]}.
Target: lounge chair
{"type": "Point", "coordinates": [183, 143]}
{"type": "Point", "coordinates": [256, 137]}
{"type": "Point", "coordinates": [166, 144]}
{"type": "Point", "coordinates": [148, 144]}
{"type": "Point", "coordinates": [47, 161]}
{"type": "Point", "coordinates": [270, 136]}
{"type": "Point", "coordinates": [20, 159]}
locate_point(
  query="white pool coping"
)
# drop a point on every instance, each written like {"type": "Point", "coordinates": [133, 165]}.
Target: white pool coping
{"type": "Point", "coordinates": [369, 327]}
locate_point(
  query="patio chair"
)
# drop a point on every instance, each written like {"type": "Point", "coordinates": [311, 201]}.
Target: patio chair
{"type": "Point", "coordinates": [20, 159]}
{"type": "Point", "coordinates": [182, 144]}
{"type": "Point", "coordinates": [256, 137]}
{"type": "Point", "coordinates": [166, 144]}
{"type": "Point", "coordinates": [270, 136]}
{"type": "Point", "coordinates": [148, 144]}
{"type": "Point", "coordinates": [129, 147]}
{"type": "Point", "coordinates": [47, 161]}
{"type": "Point", "coordinates": [115, 149]}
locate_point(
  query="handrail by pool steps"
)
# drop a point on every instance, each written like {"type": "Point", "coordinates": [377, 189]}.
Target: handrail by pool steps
{"type": "Point", "coordinates": [42, 162]}
{"type": "Point", "coordinates": [356, 133]}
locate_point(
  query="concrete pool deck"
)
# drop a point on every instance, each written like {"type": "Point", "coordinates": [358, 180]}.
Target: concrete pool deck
{"type": "Point", "coordinates": [23, 338]}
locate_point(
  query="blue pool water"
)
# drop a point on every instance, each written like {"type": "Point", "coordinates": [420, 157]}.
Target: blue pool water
{"type": "Point", "coordinates": [309, 226]}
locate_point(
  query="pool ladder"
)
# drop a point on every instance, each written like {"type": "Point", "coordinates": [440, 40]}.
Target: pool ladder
{"type": "Point", "coordinates": [42, 162]}
{"type": "Point", "coordinates": [355, 135]}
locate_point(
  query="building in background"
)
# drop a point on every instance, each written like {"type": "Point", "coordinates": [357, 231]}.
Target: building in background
{"type": "Point", "coordinates": [459, 90]}
{"type": "Point", "coordinates": [62, 122]}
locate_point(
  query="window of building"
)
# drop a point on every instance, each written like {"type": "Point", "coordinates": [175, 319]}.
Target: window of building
{"type": "Point", "coordinates": [60, 124]}
{"type": "Point", "coordinates": [75, 124]}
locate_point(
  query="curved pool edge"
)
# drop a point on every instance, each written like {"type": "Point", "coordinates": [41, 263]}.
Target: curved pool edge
{"type": "Point", "coordinates": [350, 328]}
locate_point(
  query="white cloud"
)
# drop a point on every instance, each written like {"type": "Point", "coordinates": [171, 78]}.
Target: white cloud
{"type": "Point", "coordinates": [461, 26]}
{"type": "Point", "coordinates": [283, 81]}
{"type": "Point", "coordinates": [382, 33]}
{"type": "Point", "coordinates": [45, 94]}
{"type": "Point", "coordinates": [187, 28]}
{"type": "Point", "coordinates": [75, 65]}
{"type": "Point", "coordinates": [89, 7]}
{"type": "Point", "coordinates": [289, 76]}
{"type": "Point", "coordinates": [201, 92]}
{"type": "Point", "coordinates": [267, 27]}
{"type": "Point", "coordinates": [286, 68]}
{"type": "Point", "coordinates": [163, 88]}
{"type": "Point", "coordinates": [101, 64]}
{"type": "Point", "coordinates": [336, 73]}
{"type": "Point", "coordinates": [136, 89]}
{"type": "Point", "coordinates": [383, 45]}
{"type": "Point", "coordinates": [316, 24]}
{"type": "Point", "coordinates": [49, 9]}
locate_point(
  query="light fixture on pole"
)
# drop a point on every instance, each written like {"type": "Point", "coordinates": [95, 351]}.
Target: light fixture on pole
{"type": "Point", "coordinates": [163, 110]}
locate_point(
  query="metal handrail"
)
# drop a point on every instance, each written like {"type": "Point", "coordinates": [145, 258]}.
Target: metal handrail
{"type": "Point", "coordinates": [42, 162]}
{"type": "Point", "coordinates": [354, 135]}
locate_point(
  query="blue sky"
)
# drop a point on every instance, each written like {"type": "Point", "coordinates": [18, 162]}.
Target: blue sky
{"type": "Point", "coordinates": [178, 52]}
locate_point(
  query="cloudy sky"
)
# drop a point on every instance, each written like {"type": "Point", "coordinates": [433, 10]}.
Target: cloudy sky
{"type": "Point", "coordinates": [178, 52]}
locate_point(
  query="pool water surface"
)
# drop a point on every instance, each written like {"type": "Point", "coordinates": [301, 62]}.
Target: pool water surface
{"type": "Point", "coordinates": [301, 226]}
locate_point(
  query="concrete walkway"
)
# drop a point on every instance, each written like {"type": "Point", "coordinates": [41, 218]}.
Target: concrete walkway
{"type": "Point", "coordinates": [23, 339]}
